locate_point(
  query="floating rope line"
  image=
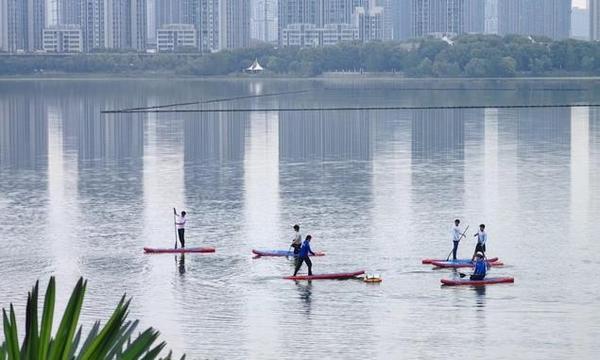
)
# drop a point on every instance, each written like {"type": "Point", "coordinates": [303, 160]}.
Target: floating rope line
{"type": "Point", "coordinates": [457, 89]}
{"type": "Point", "coordinates": [372, 108]}
{"type": "Point", "coordinates": [143, 109]}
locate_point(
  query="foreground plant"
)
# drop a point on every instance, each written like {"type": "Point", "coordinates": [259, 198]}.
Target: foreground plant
{"type": "Point", "coordinates": [112, 341]}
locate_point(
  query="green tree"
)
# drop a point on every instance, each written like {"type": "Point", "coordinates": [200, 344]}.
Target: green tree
{"type": "Point", "coordinates": [476, 68]}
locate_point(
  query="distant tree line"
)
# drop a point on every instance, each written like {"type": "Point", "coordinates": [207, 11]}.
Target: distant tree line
{"type": "Point", "coordinates": [467, 56]}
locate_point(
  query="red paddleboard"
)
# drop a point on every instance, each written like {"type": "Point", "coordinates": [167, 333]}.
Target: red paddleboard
{"type": "Point", "coordinates": [487, 281]}
{"type": "Point", "coordinates": [429, 261]}
{"type": "Point", "coordinates": [148, 250]}
{"type": "Point", "coordinates": [337, 276]}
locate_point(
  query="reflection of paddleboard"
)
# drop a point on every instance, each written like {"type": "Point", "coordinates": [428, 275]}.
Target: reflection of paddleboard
{"type": "Point", "coordinates": [456, 264]}
{"type": "Point", "coordinates": [279, 253]}
{"type": "Point", "coordinates": [487, 281]}
{"type": "Point", "coordinates": [338, 276]}
{"type": "Point", "coordinates": [148, 250]}
{"type": "Point", "coordinates": [429, 261]}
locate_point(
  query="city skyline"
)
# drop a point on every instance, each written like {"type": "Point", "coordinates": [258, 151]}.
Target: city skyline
{"type": "Point", "coordinates": [230, 24]}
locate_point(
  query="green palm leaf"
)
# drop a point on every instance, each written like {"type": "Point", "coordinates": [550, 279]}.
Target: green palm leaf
{"type": "Point", "coordinates": [47, 318]}
{"type": "Point", "coordinates": [111, 341]}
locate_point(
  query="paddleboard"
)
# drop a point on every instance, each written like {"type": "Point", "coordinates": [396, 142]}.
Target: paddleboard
{"type": "Point", "coordinates": [429, 261]}
{"type": "Point", "coordinates": [487, 281]}
{"type": "Point", "coordinates": [457, 264]}
{"type": "Point", "coordinates": [338, 276]}
{"type": "Point", "coordinates": [148, 250]}
{"type": "Point", "coordinates": [279, 253]}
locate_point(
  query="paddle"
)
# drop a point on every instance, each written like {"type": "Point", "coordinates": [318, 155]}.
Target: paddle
{"type": "Point", "coordinates": [175, 225]}
{"type": "Point", "coordinates": [459, 239]}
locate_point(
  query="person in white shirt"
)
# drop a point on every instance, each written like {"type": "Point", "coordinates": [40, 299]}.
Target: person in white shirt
{"type": "Point", "coordinates": [481, 240]}
{"type": "Point", "coordinates": [297, 240]}
{"type": "Point", "coordinates": [180, 224]}
{"type": "Point", "coordinates": [456, 236]}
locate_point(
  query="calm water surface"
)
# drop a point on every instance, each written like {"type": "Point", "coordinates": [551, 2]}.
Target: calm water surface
{"type": "Point", "coordinates": [81, 193]}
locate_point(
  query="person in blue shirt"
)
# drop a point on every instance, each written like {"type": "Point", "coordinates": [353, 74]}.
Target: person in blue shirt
{"type": "Point", "coordinates": [303, 256]}
{"type": "Point", "coordinates": [480, 267]}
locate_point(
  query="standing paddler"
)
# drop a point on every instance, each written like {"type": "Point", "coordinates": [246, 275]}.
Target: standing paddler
{"type": "Point", "coordinates": [297, 240]}
{"type": "Point", "coordinates": [180, 224]}
{"type": "Point", "coordinates": [481, 240]}
{"type": "Point", "coordinates": [456, 236]}
{"type": "Point", "coordinates": [303, 256]}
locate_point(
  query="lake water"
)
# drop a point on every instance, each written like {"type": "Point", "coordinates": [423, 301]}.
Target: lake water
{"type": "Point", "coordinates": [82, 193]}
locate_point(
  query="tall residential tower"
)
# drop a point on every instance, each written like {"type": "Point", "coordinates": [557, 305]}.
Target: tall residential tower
{"type": "Point", "coordinates": [594, 9]}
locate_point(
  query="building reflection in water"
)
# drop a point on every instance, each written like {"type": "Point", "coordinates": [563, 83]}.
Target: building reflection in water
{"type": "Point", "coordinates": [326, 156]}
{"type": "Point", "coordinates": [214, 150]}
{"type": "Point", "coordinates": [543, 138]}
{"type": "Point", "coordinates": [438, 152]}
{"type": "Point", "coordinates": [110, 181]}
{"type": "Point", "coordinates": [438, 136]}
{"type": "Point", "coordinates": [214, 137]}
{"type": "Point", "coordinates": [23, 132]}
{"type": "Point", "coordinates": [325, 136]}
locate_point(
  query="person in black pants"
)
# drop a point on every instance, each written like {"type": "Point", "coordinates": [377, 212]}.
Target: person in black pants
{"type": "Point", "coordinates": [180, 224]}
{"type": "Point", "coordinates": [303, 256]}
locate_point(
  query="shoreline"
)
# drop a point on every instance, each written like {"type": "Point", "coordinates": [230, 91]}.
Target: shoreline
{"type": "Point", "coordinates": [327, 77]}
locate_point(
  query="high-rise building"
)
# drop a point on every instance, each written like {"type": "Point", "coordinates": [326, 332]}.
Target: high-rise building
{"type": "Point", "coordinates": [298, 12]}
{"type": "Point", "coordinates": [93, 24]}
{"type": "Point", "coordinates": [402, 19]}
{"type": "Point", "coordinates": [437, 17]}
{"type": "Point", "coordinates": [168, 12]}
{"type": "Point", "coordinates": [491, 17]}
{"type": "Point", "coordinates": [594, 9]}
{"type": "Point", "coordinates": [139, 24]}
{"type": "Point", "coordinates": [21, 24]}
{"type": "Point", "coordinates": [208, 32]}
{"type": "Point", "coordinates": [264, 20]}
{"type": "Point", "coordinates": [551, 18]}
{"type": "Point", "coordinates": [68, 11]}
{"type": "Point", "coordinates": [339, 11]}
{"type": "Point", "coordinates": [3, 25]}
{"type": "Point", "coordinates": [117, 13]}
{"type": "Point", "coordinates": [369, 20]}
{"type": "Point", "coordinates": [474, 16]}
{"type": "Point", "coordinates": [112, 24]}
{"type": "Point", "coordinates": [234, 24]}
{"type": "Point", "coordinates": [580, 23]}
{"type": "Point", "coordinates": [388, 16]}
{"type": "Point", "coordinates": [36, 21]}
{"type": "Point", "coordinates": [12, 27]}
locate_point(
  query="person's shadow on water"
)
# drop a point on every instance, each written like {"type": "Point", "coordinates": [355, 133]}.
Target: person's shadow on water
{"type": "Point", "coordinates": [181, 264]}
{"type": "Point", "coordinates": [305, 292]}
{"type": "Point", "coordinates": [480, 300]}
